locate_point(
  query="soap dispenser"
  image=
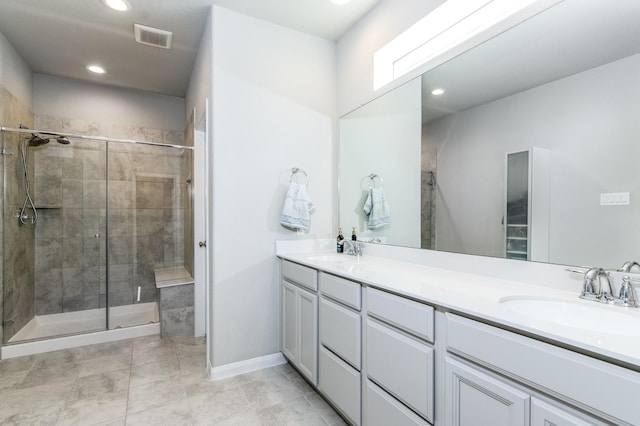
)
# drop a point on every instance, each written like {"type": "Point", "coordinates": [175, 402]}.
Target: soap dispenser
{"type": "Point", "coordinates": [353, 234]}
{"type": "Point", "coordinates": [340, 243]}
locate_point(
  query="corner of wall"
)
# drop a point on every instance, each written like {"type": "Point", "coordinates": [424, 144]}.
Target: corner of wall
{"type": "Point", "coordinates": [15, 75]}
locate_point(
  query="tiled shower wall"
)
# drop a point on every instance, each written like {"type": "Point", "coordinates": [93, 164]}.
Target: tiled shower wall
{"type": "Point", "coordinates": [149, 208]}
{"type": "Point", "coordinates": [428, 190]}
{"type": "Point", "coordinates": [17, 272]}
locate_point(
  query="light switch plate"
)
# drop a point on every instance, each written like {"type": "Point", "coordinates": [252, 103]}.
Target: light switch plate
{"type": "Point", "coordinates": [615, 199]}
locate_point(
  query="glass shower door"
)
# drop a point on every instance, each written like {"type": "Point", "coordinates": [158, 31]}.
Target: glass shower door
{"type": "Point", "coordinates": [149, 212]}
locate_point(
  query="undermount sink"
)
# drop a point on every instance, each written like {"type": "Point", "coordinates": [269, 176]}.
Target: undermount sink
{"type": "Point", "coordinates": [330, 257]}
{"type": "Point", "coordinates": [579, 314]}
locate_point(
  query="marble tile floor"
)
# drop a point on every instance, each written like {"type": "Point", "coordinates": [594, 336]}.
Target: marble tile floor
{"type": "Point", "coordinates": [151, 381]}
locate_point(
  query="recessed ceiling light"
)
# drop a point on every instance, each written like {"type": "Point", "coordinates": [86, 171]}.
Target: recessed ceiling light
{"type": "Point", "coordinates": [437, 92]}
{"type": "Point", "coordinates": [96, 69]}
{"type": "Point", "coordinates": [119, 5]}
{"type": "Point", "coordinates": [340, 2]}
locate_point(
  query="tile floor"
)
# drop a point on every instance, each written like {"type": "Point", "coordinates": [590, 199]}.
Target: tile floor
{"type": "Point", "coordinates": [149, 381]}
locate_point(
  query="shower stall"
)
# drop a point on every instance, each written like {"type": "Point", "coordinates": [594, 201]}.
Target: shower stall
{"type": "Point", "coordinates": [86, 222]}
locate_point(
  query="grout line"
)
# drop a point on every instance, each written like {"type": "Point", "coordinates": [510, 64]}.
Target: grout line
{"type": "Point", "coordinates": [126, 408]}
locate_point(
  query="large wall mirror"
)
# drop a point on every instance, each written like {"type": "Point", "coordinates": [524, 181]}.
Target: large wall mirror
{"type": "Point", "coordinates": [532, 152]}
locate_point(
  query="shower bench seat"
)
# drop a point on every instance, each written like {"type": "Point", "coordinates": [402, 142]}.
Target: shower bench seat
{"type": "Point", "coordinates": [175, 296]}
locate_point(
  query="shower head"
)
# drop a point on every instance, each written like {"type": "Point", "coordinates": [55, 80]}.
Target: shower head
{"type": "Point", "coordinates": [36, 140]}
{"type": "Point", "coordinates": [45, 138]}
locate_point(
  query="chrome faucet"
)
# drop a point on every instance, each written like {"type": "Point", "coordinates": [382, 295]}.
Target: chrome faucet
{"type": "Point", "coordinates": [355, 247]}
{"type": "Point", "coordinates": [628, 265]}
{"type": "Point", "coordinates": [597, 286]}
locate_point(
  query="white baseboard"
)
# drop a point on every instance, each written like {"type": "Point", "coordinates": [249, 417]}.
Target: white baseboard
{"type": "Point", "coordinates": [247, 366]}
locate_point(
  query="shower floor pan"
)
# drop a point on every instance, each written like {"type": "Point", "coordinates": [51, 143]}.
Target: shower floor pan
{"type": "Point", "coordinates": [69, 323]}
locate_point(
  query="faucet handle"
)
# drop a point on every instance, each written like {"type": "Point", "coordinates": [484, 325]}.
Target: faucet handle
{"type": "Point", "coordinates": [627, 296]}
{"type": "Point", "coordinates": [606, 290]}
{"type": "Point", "coordinates": [597, 285]}
{"type": "Point", "coordinates": [589, 290]}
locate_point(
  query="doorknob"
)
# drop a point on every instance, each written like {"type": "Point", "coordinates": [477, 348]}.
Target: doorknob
{"type": "Point", "coordinates": [202, 243]}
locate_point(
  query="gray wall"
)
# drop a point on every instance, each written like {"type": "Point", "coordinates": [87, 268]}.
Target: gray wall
{"type": "Point", "coordinates": [91, 103]}
{"type": "Point", "coordinates": [273, 108]}
{"type": "Point", "coordinates": [15, 77]}
{"type": "Point", "coordinates": [589, 123]}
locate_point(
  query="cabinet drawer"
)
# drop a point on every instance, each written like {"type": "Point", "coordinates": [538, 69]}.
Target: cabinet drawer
{"type": "Point", "coordinates": [340, 331]}
{"type": "Point", "coordinates": [344, 291]}
{"type": "Point", "coordinates": [402, 366]}
{"type": "Point", "coordinates": [384, 410]}
{"type": "Point", "coordinates": [410, 316]}
{"type": "Point", "coordinates": [340, 383]}
{"type": "Point", "coordinates": [302, 275]}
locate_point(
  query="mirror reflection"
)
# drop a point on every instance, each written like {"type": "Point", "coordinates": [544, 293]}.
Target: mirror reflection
{"type": "Point", "coordinates": [531, 152]}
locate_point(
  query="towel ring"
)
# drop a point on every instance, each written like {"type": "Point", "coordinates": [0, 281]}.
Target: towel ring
{"type": "Point", "coordinates": [295, 171]}
{"type": "Point", "coordinates": [372, 179]}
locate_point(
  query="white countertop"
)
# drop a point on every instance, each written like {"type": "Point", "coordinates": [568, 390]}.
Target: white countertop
{"type": "Point", "coordinates": [480, 296]}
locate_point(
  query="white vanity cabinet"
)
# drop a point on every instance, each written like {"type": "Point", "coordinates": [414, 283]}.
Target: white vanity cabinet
{"type": "Point", "coordinates": [340, 356]}
{"type": "Point", "coordinates": [399, 360]}
{"type": "Point", "coordinates": [384, 359]}
{"type": "Point", "coordinates": [477, 398]}
{"type": "Point", "coordinates": [497, 377]}
{"type": "Point", "coordinates": [299, 309]}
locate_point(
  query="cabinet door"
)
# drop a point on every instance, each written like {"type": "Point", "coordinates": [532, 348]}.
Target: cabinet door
{"type": "Point", "coordinates": [475, 398]}
{"type": "Point", "coordinates": [308, 334]}
{"type": "Point", "coordinates": [289, 321]}
{"type": "Point", "coordinates": [543, 414]}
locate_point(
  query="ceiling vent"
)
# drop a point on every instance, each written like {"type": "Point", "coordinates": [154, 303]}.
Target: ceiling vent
{"type": "Point", "coordinates": [152, 36]}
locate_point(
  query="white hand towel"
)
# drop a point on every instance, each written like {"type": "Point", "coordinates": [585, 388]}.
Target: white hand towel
{"type": "Point", "coordinates": [377, 208]}
{"type": "Point", "coordinates": [296, 208]}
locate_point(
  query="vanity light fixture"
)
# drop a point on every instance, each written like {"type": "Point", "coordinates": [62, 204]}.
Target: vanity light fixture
{"type": "Point", "coordinates": [437, 92]}
{"type": "Point", "coordinates": [451, 28]}
{"type": "Point", "coordinates": [97, 69]}
{"type": "Point", "coordinates": [119, 5]}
